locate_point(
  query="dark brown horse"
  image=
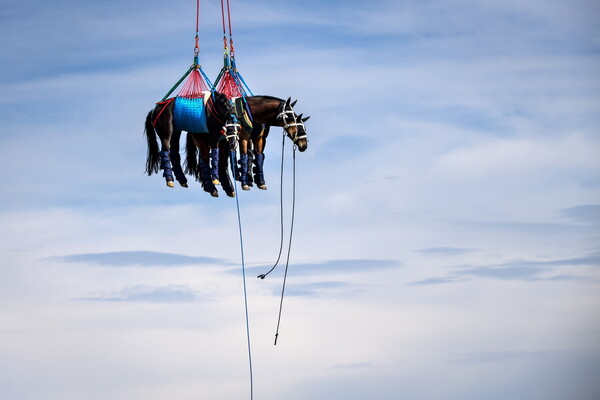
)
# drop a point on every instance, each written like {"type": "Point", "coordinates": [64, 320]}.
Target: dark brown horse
{"type": "Point", "coordinates": [162, 122]}
{"type": "Point", "coordinates": [257, 114]}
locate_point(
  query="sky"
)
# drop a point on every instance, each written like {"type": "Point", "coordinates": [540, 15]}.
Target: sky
{"type": "Point", "coordinates": [447, 210]}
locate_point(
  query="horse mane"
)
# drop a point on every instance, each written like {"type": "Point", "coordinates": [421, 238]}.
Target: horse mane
{"type": "Point", "coordinates": [267, 98]}
{"type": "Point", "coordinates": [222, 104]}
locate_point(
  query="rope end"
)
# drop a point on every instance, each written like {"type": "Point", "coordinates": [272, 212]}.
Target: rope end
{"type": "Point", "coordinates": [276, 335]}
{"type": "Point", "coordinates": [262, 276]}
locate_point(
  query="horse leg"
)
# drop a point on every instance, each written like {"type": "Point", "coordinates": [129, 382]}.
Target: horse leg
{"type": "Point", "coordinates": [259, 176]}
{"type": "Point", "coordinates": [165, 162]}
{"type": "Point", "coordinates": [243, 170]}
{"type": "Point", "coordinates": [176, 160]}
{"type": "Point", "coordinates": [259, 159]}
{"type": "Point", "coordinates": [191, 156]}
{"type": "Point", "coordinates": [204, 166]}
{"type": "Point", "coordinates": [163, 127]}
{"type": "Point", "coordinates": [224, 158]}
{"type": "Point", "coordinates": [214, 165]}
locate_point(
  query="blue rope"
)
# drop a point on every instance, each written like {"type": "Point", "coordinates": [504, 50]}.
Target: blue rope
{"type": "Point", "coordinates": [237, 77]}
{"type": "Point", "coordinates": [237, 202]}
{"type": "Point", "coordinates": [241, 83]}
{"type": "Point", "coordinates": [205, 77]}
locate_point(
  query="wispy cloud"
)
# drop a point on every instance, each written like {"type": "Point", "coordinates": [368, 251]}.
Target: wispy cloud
{"type": "Point", "coordinates": [519, 270]}
{"type": "Point", "coordinates": [592, 259]}
{"type": "Point", "coordinates": [444, 251]}
{"type": "Point", "coordinates": [497, 356]}
{"type": "Point", "coordinates": [435, 281]}
{"type": "Point", "coordinates": [504, 272]}
{"type": "Point", "coordinates": [546, 228]}
{"type": "Point", "coordinates": [319, 289]}
{"type": "Point", "coordinates": [333, 266]}
{"type": "Point", "coordinates": [163, 294]}
{"type": "Point", "coordinates": [364, 364]}
{"type": "Point", "coordinates": [589, 214]}
{"type": "Point", "coordinates": [138, 259]}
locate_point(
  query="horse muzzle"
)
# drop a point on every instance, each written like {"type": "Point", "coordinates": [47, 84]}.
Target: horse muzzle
{"type": "Point", "coordinates": [302, 144]}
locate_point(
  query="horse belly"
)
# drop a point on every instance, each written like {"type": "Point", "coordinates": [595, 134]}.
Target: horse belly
{"type": "Point", "coordinates": [190, 115]}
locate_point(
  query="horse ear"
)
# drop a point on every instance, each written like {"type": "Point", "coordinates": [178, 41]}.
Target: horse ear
{"type": "Point", "coordinates": [306, 119]}
{"type": "Point", "coordinates": [287, 102]}
{"type": "Point", "coordinates": [300, 116]}
{"type": "Point", "coordinates": [294, 103]}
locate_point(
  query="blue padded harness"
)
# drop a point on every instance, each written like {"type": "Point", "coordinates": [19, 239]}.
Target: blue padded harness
{"type": "Point", "coordinates": [189, 115]}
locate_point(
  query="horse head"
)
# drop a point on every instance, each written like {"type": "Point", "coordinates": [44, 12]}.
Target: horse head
{"type": "Point", "coordinates": [231, 131]}
{"type": "Point", "coordinates": [226, 114]}
{"type": "Point", "coordinates": [293, 124]}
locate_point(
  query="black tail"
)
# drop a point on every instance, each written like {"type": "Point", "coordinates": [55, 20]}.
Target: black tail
{"type": "Point", "coordinates": [153, 159]}
{"type": "Point", "coordinates": [191, 157]}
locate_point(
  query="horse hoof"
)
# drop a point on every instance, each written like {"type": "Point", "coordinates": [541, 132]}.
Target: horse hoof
{"type": "Point", "coordinates": [232, 194]}
{"type": "Point", "coordinates": [245, 187]}
{"type": "Point", "coordinates": [184, 185]}
{"type": "Point", "coordinates": [216, 182]}
{"type": "Point", "coordinates": [263, 187]}
{"type": "Point", "coordinates": [170, 184]}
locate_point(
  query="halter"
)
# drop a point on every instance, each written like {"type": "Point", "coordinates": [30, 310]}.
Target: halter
{"type": "Point", "coordinates": [284, 115]}
{"type": "Point", "coordinates": [235, 129]}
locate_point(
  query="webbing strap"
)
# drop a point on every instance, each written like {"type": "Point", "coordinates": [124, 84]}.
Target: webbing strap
{"type": "Point", "coordinates": [161, 111]}
{"type": "Point", "coordinates": [179, 82]}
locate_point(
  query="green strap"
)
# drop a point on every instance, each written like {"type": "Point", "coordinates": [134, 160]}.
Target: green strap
{"type": "Point", "coordinates": [193, 67]}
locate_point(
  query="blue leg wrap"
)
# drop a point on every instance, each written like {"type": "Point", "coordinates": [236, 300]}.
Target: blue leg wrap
{"type": "Point", "coordinates": [259, 175]}
{"type": "Point", "coordinates": [176, 161]}
{"type": "Point", "coordinates": [207, 184]}
{"type": "Point", "coordinates": [243, 169]}
{"type": "Point", "coordinates": [249, 168]}
{"type": "Point", "coordinates": [166, 166]}
{"type": "Point", "coordinates": [224, 176]}
{"type": "Point", "coordinates": [214, 163]}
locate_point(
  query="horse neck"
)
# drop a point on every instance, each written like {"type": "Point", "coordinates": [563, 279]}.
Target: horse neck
{"type": "Point", "coordinates": [216, 109]}
{"type": "Point", "coordinates": [265, 109]}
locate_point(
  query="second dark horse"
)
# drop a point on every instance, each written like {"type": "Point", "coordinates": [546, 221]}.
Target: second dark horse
{"type": "Point", "coordinates": [220, 125]}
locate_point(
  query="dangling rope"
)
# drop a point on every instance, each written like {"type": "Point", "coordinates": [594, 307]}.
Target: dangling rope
{"type": "Point", "coordinates": [233, 167]}
{"type": "Point", "coordinates": [263, 276]}
{"type": "Point", "coordinates": [287, 262]}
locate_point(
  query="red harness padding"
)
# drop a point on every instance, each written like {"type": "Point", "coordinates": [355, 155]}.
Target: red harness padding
{"type": "Point", "coordinates": [166, 102]}
{"type": "Point", "coordinates": [228, 86]}
{"type": "Point", "coordinates": [194, 87]}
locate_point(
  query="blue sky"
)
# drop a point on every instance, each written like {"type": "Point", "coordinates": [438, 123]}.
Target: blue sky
{"type": "Point", "coordinates": [446, 241]}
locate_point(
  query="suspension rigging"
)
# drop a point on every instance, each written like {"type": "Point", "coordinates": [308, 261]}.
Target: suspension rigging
{"type": "Point", "coordinates": [197, 82]}
{"type": "Point", "coordinates": [229, 81]}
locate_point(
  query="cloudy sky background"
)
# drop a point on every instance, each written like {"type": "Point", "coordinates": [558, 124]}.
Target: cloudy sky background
{"type": "Point", "coordinates": [446, 241]}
